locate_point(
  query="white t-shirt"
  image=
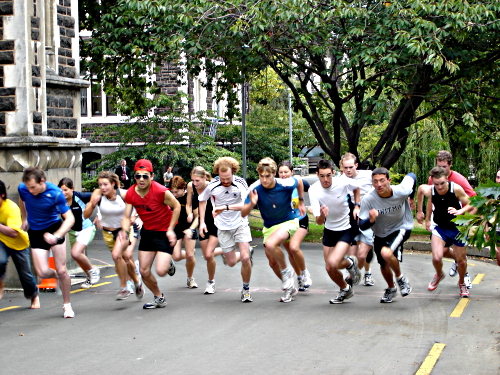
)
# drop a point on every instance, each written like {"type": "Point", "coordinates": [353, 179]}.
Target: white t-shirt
{"type": "Point", "coordinates": [221, 195]}
{"type": "Point", "coordinates": [335, 198]}
{"type": "Point", "coordinates": [364, 179]}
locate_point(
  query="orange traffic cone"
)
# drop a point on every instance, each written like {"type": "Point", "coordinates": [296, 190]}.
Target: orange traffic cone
{"type": "Point", "coordinates": [49, 283]}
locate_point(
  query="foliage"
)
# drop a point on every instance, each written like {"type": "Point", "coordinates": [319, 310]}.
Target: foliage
{"type": "Point", "coordinates": [480, 229]}
{"type": "Point", "coordinates": [89, 183]}
{"type": "Point", "coordinates": [351, 66]}
{"type": "Point", "coordinates": [164, 134]}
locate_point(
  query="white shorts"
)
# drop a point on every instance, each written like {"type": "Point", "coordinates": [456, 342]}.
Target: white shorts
{"type": "Point", "coordinates": [229, 238]}
{"type": "Point", "coordinates": [365, 236]}
{"type": "Point", "coordinates": [85, 236]}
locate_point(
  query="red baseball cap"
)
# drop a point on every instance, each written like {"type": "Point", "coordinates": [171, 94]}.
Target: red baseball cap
{"type": "Point", "coordinates": [143, 165]}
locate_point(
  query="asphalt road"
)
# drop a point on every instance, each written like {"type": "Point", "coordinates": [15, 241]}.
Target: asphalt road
{"type": "Point", "coordinates": [217, 334]}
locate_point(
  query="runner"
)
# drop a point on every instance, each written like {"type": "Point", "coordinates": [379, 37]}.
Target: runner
{"type": "Point", "coordinates": [159, 211]}
{"type": "Point", "coordinates": [280, 222]}
{"type": "Point", "coordinates": [226, 193]}
{"type": "Point", "coordinates": [208, 240]}
{"type": "Point", "coordinates": [184, 231]}
{"type": "Point", "coordinates": [363, 242]}
{"type": "Point", "coordinates": [41, 203]}
{"type": "Point", "coordinates": [110, 200]}
{"type": "Point", "coordinates": [295, 255]}
{"type": "Point", "coordinates": [14, 242]}
{"type": "Point", "coordinates": [82, 233]}
{"type": "Point", "coordinates": [444, 160]}
{"type": "Point", "coordinates": [446, 200]}
{"type": "Point", "coordinates": [329, 204]}
{"type": "Point", "coordinates": [387, 211]}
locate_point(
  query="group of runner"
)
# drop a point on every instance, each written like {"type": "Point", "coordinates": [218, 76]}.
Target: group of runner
{"type": "Point", "coordinates": [362, 213]}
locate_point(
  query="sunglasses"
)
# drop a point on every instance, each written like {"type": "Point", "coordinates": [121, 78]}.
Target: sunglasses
{"type": "Point", "coordinates": [143, 176]}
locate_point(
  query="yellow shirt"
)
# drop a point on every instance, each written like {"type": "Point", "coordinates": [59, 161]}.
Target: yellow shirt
{"type": "Point", "coordinates": [10, 215]}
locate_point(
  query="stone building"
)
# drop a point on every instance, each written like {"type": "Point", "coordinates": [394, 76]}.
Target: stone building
{"type": "Point", "coordinates": [40, 90]}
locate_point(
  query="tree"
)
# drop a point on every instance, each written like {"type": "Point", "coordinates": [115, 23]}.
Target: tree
{"type": "Point", "coordinates": [164, 134]}
{"type": "Point", "coordinates": [350, 65]}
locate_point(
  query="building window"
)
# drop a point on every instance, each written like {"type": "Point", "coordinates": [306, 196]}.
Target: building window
{"type": "Point", "coordinates": [83, 102]}
{"type": "Point", "coordinates": [110, 108]}
{"type": "Point", "coordinates": [96, 99]}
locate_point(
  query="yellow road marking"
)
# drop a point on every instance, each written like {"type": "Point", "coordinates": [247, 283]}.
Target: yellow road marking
{"type": "Point", "coordinates": [93, 286]}
{"type": "Point", "coordinates": [430, 361]}
{"type": "Point", "coordinates": [9, 308]}
{"type": "Point", "coordinates": [459, 309]}
{"type": "Point", "coordinates": [478, 278]}
{"type": "Point", "coordinates": [107, 277]}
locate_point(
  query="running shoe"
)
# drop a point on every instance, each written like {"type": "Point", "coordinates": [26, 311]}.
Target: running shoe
{"type": "Point", "coordinates": [389, 294]}
{"type": "Point", "coordinates": [434, 282]}
{"type": "Point", "coordinates": [86, 284]}
{"type": "Point", "coordinates": [300, 284]}
{"type": "Point", "coordinates": [467, 280]}
{"type": "Point", "coordinates": [191, 284]}
{"type": "Point", "coordinates": [289, 294]}
{"type": "Point", "coordinates": [404, 286]}
{"type": "Point", "coordinates": [122, 294]}
{"type": "Point", "coordinates": [307, 279]}
{"type": "Point", "coordinates": [95, 275]}
{"type": "Point", "coordinates": [246, 296]}
{"type": "Point", "coordinates": [354, 271]}
{"type": "Point", "coordinates": [130, 287]}
{"type": "Point", "coordinates": [348, 280]}
{"type": "Point", "coordinates": [210, 288]}
{"type": "Point", "coordinates": [68, 311]}
{"type": "Point", "coordinates": [157, 303]}
{"type": "Point", "coordinates": [368, 280]}
{"type": "Point", "coordinates": [171, 270]}
{"type": "Point", "coordinates": [139, 290]}
{"type": "Point", "coordinates": [287, 279]}
{"type": "Point", "coordinates": [454, 269]}
{"type": "Point", "coordinates": [342, 296]}
{"type": "Point", "coordinates": [464, 291]}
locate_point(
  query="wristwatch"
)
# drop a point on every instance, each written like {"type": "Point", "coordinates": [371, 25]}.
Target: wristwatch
{"type": "Point", "coordinates": [59, 240]}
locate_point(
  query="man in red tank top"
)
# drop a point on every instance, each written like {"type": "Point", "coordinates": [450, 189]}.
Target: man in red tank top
{"type": "Point", "coordinates": [159, 211]}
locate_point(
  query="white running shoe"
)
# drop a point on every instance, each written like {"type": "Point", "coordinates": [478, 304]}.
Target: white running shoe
{"type": "Point", "coordinates": [130, 287]}
{"type": "Point", "coordinates": [246, 296]}
{"type": "Point", "coordinates": [86, 284]}
{"type": "Point", "coordinates": [95, 275]}
{"type": "Point", "coordinates": [210, 288]}
{"type": "Point", "coordinates": [191, 284]}
{"type": "Point", "coordinates": [68, 311]}
{"type": "Point", "coordinates": [453, 269]}
{"type": "Point", "coordinates": [289, 295]}
{"type": "Point", "coordinates": [467, 281]}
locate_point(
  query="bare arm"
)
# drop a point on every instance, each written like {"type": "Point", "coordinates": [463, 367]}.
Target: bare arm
{"type": "Point", "coordinates": [24, 215]}
{"type": "Point", "coordinates": [189, 202]}
{"type": "Point", "coordinates": [174, 204]}
{"type": "Point", "coordinates": [464, 199]}
{"type": "Point", "coordinates": [423, 191]}
{"type": "Point", "coordinates": [8, 231]}
{"type": "Point", "coordinates": [357, 198]}
{"type": "Point", "coordinates": [247, 207]}
{"type": "Point", "coordinates": [94, 200]}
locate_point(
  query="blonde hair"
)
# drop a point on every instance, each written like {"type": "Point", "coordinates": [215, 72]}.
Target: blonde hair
{"type": "Point", "coordinates": [199, 171]}
{"type": "Point", "coordinates": [112, 177]}
{"type": "Point", "coordinates": [225, 163]}
{"type": "Point", "coordinates": [266, 165]}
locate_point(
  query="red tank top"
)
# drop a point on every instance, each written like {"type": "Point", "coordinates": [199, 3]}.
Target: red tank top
{"type": "Point", "coordinates": [152, 210]}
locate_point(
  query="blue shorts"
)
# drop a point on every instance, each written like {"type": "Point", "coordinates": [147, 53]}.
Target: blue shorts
{"type": "Point", "coordinates": [449, 236]}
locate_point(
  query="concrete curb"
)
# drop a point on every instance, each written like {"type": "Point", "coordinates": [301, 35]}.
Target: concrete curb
{"type": "Point", "coordinates": [426, 246]}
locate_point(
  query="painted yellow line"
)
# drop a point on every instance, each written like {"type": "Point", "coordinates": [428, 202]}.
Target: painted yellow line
{"type": "Point", "coordinates": [478, 278]}
{"type": "Point", "coordinates": [9, 308]}
{"type": "Point", "coordinates": [431, 359]}
{"type": "Point", "coordinates": [459, 309]}
{"type": "Point", "coordinates": [107, 277]}
{"type": "Point", "coordinates": [93, 286]}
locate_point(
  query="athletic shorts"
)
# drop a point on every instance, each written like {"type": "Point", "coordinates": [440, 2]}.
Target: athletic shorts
{"type": "Point", "coordinates": [290, 226]}
{"type": "Point", "coordinates": [109, 237]}
{"type": "Point", "coordinates": [394, 241]}
{"type": "Point", "coordinates": [332, 237]}
{"type": "Point", "coordinates": [179, 233]}
{"type": "Point", "coordinates": [36, 236]}
{"type": "Point", "coordinates": [449, 236]}
{"type": "Point", "coordinates": [84, 236]}
{"type": "Point", "coordinates": [212, 231]}
{"type": "Point", "coordinates": [304, 223]}
{"type": "Point", "coordinates": [152, 240]}
{"type": "Point", "coordinates": [365, 236]}
{"type": "Point", "coordinates": [229, 238]}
